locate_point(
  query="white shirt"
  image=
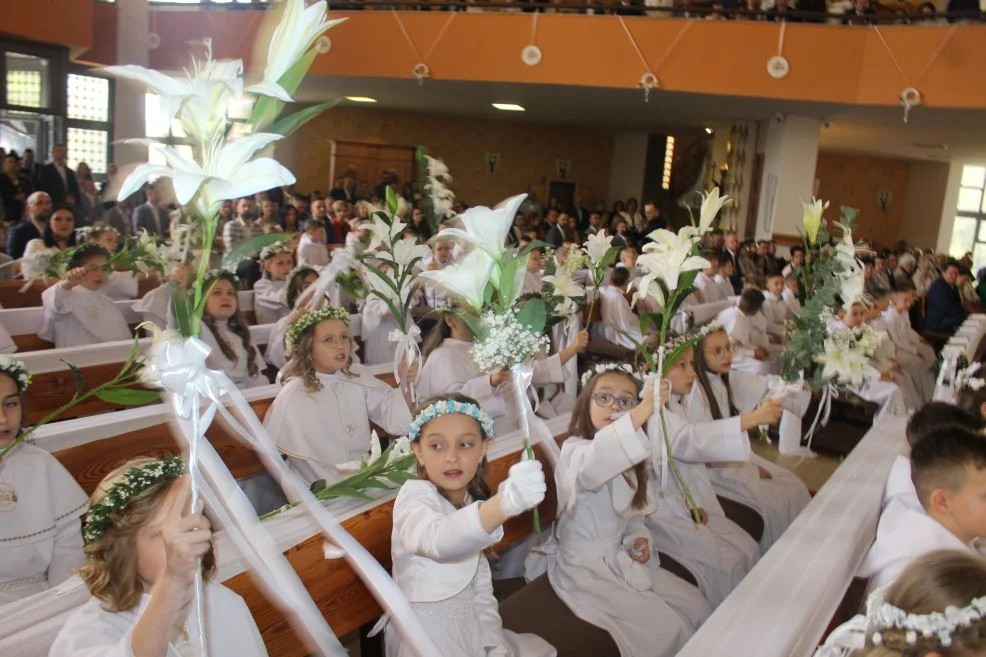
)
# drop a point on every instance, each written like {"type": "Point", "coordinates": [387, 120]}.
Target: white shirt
{"type": "Point", "coordinates": [268, 301]}
{"type": "Point", "coordinates": [792, 302]}
{"type": "Point", "coordinates": [312, 253]}
{"type": "Point", "coordinates": [35, 259]}
{"type": "Point", "coordinates": [709, 288]}
{"type": "Point", "coordinates": [238, 369]}
{"type": "Point", "coordinates": [80, 316]}
{"type": "Point", "coordinates": [725, 286]}
{"type": "Point", "coordinates": [618, 319]}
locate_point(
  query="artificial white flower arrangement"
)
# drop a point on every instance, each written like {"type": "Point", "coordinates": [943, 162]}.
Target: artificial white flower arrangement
{"type": "Point", "coordinates": [847, 357]}
{"type": "Point", "coordinates": [508, 342]}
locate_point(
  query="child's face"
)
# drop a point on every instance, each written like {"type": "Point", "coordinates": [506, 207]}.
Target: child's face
{"type": "Point", "coordinates": [902, 301]}
{"type": "Point", "coordinates": [726, 269]}
{"type": "Point", "coordinates": [222, 303]}
{"type": "Point", "coordinates": [534, 261]}
{"type": "Point", "coordinates": [97, 273]}
{"type": "Point", "coordinates": [881, 303]}
{"type": "Point", "coordinates": [967, 505]}
{"type": "Point", "coordinates": [629, 259]}
{"type": "Point", "coordinates": [443, 252]}
{"type": "Point", "coordinates": [108, 240]}
{"type": "Point", "coordinates": [306, 282]}
{"type": "Point", "coordinates": [853, 318]}
{"type": "Point", "coordinates": [10, 410]}
{"type": "Point", "coordinates": [181, 275]}
{"type": "Point", "coordinates": [331, 346]}
{"type": "Point", "coordinates": [682, 375]}
{"type": "Point", "coordinates": [775, 285]}
{"type": "Point", "coordinates": [791, 285]}
{"type": "Point", "coordinates": [718, 352]}
{"type": "Point", "coordinates": [280, 266]}
{"type": "Point", "coordinates": [450, 449]}
{"type": "Point", "coordinates": [613, 396]}
{"type": "Point", "coordinates": [713, 268]}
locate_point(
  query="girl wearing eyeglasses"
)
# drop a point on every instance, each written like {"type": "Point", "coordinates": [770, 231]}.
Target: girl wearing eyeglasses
{"type": "Point", "coordinates": [603, 569]}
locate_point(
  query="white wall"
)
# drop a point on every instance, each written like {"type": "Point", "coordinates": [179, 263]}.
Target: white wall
{"type": "Point", "coordinates": [626, 170]}
{"type": "Point", "coordinates": [128, 105]}
{"type": "Point", "coordinates": [924, 203]}
{"type": "Point", "coordinates": [790, 148]}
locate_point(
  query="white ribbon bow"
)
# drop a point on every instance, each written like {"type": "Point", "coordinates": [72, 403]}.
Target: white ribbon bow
{"type": "Point", "coordinates": [407, 348]}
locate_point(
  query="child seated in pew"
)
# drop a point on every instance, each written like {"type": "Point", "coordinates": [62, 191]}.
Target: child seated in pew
{"type": "Point", "coordinates": [619, 324]}
{"type": "Point", "coordinates": [948, 469]}
{"type": "Point", "coordinates": [445, 524]}
{"type": "Point", "coordinates": [707, 289]}
{"type": "Point", "coordinates": [724, 275]}
{"type": "Point", "coordinates": [277, 260]}
{"type": "Point", "coordinates": [722, 393]}
{"type": "Point", "coordinates": [718, 552]}
{"type": "Point", "coordinates": [913, 353]}
{"type": "Point", "coordinates": [774, 308]}
{"type": "Point", "coordinates": [533, 275]}
{"type": "Point", "coordinates": [311, 247]}
{"type": "Point", "coordinates": [143, 547]}
{"type": "Point", "coordinates": [321, 416]}
{"type": "Point", "coordinates": [300, 279]}
{"type": "Point", "coordinates": [120, 285]}
{"type": "Point", "coordinates": [792, 295]}
{"type": "Point", "coordinates": [227, 333]}
{"type": "Point", "coordinates": [604, 568]}
{"type": "Point", "coordinates": [886, 353]}
{"type": "Point", "coordinates": [76, 311]}
{"type": "Point", "coordinates": [751, 351]}
{"type": "Point", "coordinates": [40, 502]}
{"type": "Point", "coordinates": [155, 306]}
{"type": "Point", "coordinates": [934, 609]}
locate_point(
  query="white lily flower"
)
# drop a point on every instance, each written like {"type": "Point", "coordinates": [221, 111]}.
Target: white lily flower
{"type": "Point", "coordinates": [467, 278]}
{"type": "Point", "coordinates": [597, 245]}
{"type": "Point", "coordinates": [407, 250]}
{"type": "Point", "coordinates": [378, 286]}
{"type": "Point", "coordinates": [813, 218]}
{"type": "Point", "coordinates": [711, 204]}
{"type": "Point", "coordinates": [383, 233]}
{"type": "Point", "coordinates": [667, 257]}
{"type": "Point", "coordinates": [845, 364]}
{"type": "Point", "coordinates": [488, 229]}
{"type": "Point", "coordinates": [295, 33]}
{"type": "Point", "coordinates": [228, 171]}
{"type": "Point", "coordinates": [375, 450]}
{"type": "Point", "coordinates": [563, 285]}
{"type": "Point", "coordinates": [401, 447]}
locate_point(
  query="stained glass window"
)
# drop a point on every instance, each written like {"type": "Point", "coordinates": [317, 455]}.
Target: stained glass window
{"type": "Point", "coordinates": [88, 146]}
{"type": "Point", "coordinates": [26, 80]}
{"type": "Point", "coordinates": [88, 98]}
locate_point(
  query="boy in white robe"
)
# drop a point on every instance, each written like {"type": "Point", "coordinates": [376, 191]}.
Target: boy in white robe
{"type": "Point", "coordinates": [707, 289]}
{"type": "Point", "coordinates": [790, 295]}
{"type": "Point", "coordinates": [277, 261]}
{"type": "Point", "coordinates": [913, 353]}
{"type": "Point", "coordinates": [311, 246]}
{"type": "Point", "coordinates": [722, 278]}
{"type": "Point", "coordinates": [886, 354]}
{"type": "Point", "coordinates": [948, 468]}
{"type": "Point", "coordinates": [619, 324]}
{"type": "Point", "coordinates": [533, 275]}
{"type": "Point", "coordinates": [750, 344]}
{"type": "Point", "coordinates": [774, 308]}
{"type": "Point", "coordinates": [76, 312]}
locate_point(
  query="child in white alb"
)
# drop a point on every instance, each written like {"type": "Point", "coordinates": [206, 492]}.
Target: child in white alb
{"type": "Point", "coordinates": [708, 289]}
{"type": "Point", "coordinates": [121, 285]}
{"type": "Point", "coordinates": [143, 547]}
{"type": "Point", "coordinates": [443, 524]}
{"type": "Point", "coordinates": [268, 300]}
{"type": "Point", "coordinates": [321, 417]}
{"type": "Point", "coordinates": [751, 347]}
{"type": "Point", "coordinates": [913, 353]}
{"type": "Point", "coordinates": [40, 503]}
{"type": "Point", "coordinates": [604, 568]}
{"type": "Point", "coordinates": [618, 324]}
{"type": "Point", "coordinates": [227, 333]}
{"type": "Point", "coordinates": [311, 247]}
{"type": "Point", "coordinates": [300, 279]}
{"type": "Point", "coordinates": [76, 312]}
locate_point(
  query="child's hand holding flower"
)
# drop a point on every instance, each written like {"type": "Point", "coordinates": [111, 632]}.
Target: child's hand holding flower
{"type": "Point", "coordinates": [187, 538]}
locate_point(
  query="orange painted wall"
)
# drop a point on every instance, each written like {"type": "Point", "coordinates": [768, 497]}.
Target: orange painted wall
{"type": "Point", "coordinates": [856, 181]}
{"type": "Point", "coordinates": [528, 152]}
{"type": "Point", "coordinates": [59, 22]}
{"type": "Point", "coordinates": [105, 22]}
{"type": "Point", "coordinates": [828, 63]}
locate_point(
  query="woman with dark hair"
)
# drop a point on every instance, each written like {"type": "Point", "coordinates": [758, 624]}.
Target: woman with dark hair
{"type": "Point", "coordinates": [59, 235]}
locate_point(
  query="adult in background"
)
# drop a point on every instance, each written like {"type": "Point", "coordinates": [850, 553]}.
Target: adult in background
{"type": "Point", "coordinates": [58, 180]}
{"type": "Point", "coordinates": [32, 227]}
{"type": "Point", "coordinates": [149, 216]}
{"type": "Point", "coordinates": [30, 167]}
{"type": "Point", "coordinates": [346, 192]}
{"type": "Point", "coordinates": [730, 247]}
{"type": "Point", "coordinates": [581, 215]}
{"type": "Point", "coordinates": [15, 187]}
{"type": "Point", "coordinates": [943, 310]}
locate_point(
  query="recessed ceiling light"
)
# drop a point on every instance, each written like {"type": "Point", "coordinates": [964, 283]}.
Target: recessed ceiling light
{"type": "Point", "coordinates": [361, 99]}
{"type": "Point", "coordinates": [509, 107]}
{"type": "Point", "coordinates": [708, 131]}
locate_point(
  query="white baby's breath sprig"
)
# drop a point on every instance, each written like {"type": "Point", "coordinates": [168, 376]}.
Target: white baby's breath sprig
{"type": "Point", "coordinates": [508, 342]}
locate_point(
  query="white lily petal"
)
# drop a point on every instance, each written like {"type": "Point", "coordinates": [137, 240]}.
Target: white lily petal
{"type": "Point", "coordinates": [467, 278]}
{"type": "Point", "coordinates": [155, 81]}
{"type": "Point", "coordinates": [140, 175]}
{"type": "Point", "coordinates": [271, 89]}
{"type": "Point", "coordinates": [256, 176]}
{"type": "Point", "coordinates": [238, 152]}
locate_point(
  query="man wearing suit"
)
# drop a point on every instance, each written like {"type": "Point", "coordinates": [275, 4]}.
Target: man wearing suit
{"type": "Point", "coordinates": [944, 312]}
{"type": "Point", "coordinates": [553, 233]}
{"type": "Point", "coordinates": [348, 190]}
{"type": "Point", "coordinates": [30, 168]}
{"type": "Point", "coordinates": [149, 216]}
{"type": "Point", "coordinates": [36, 215]}
{"type": "Point", "coordinates": [731, 248]}
{"type": "Point", "coordinates": [581, 215]}
{"type": "Point", "coordinates": [58, 181]}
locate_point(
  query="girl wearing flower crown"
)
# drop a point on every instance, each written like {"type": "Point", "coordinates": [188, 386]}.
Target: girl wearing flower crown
{"type": "Point", "coordinates": [604, 569]}
{"type": "Point", "coordinates": [717, 551]}
{"type": "Point", "coordinates": [268, 300]}
{"type": "Point", "coordinates": [225, 330]}
{"type": "Point", "coordinates": [321, 417]}
{"type": "Point", "coordinates": [300, 279]}
{"type": "Point", "coordinates": [40, 502]}
{"type": "Point", "coordinates": [443, 522]}
{"type": "Point", "coordinates": [449, 368]}
{"type": "Point", "coordinates": [76, 310]}
{"type": "Point", "coordinates": [143, 548]}
{"type": "Point", "coordinates": [120, 285]}
{"type": "Point", "coordinates": [733, 402]}
{"type": "Point", "coordinates": [936, 608]}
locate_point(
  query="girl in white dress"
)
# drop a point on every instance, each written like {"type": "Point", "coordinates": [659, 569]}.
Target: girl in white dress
{"type": "Point", "coordinates": [268, 300]}
{"type": "Point", "coordinates": [76, 312]}
{"type": "Point", "coordinates": [445, 521]}
{"type": "Point", "coordinates": [604, 569]}
{"type": "Point", "coordinates": [737, 400]}
{"type": "Point", "coordinates": [59, 235]}
{"type": "Point", "coordinates": [225, 330]}
{"type": "Point", "coordinates": [321, 417]}
{"type": "Point", "coordinates": [143, 546]}
{"type": "Point", "coordinates": [299, 280]}
{"type": "Point", "coordinates": [40, 503]}
{"type": "Point", "coordinates": [717, 551]}
{"type": "Point", "coordinates": [121, 285]}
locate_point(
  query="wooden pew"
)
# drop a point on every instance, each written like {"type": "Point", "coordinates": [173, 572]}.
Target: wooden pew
{"type": "Point", "coordinates": [11, 295]}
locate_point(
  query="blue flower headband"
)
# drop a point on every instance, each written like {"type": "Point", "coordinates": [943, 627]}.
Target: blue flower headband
{"type": "Point", "coordinates": [451, 407]}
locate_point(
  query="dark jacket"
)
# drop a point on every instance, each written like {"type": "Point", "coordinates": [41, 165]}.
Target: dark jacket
{"type": "Point", "coordinates": [19, 236]}
{"type": "Point", "coordinates": [51, 182]}
{"type": "Point", "coordinates": [943, 308]}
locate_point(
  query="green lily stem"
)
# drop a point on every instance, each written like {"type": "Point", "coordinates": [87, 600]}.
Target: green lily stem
{"type": "Point", "coordinates": [535, 512]}
{"type": "Point", "coordinates": [208, 238]}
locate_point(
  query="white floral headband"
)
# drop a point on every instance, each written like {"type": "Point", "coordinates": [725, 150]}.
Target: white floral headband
{"type": "Point", "coordinates": [16, 370]}
{"type": "Point", "coordinates": [964, 378]}
{"type": "Point", "coordinates": [942, 625]}
{"type": "Point", "coordinates": [271, 251]}
{"type": "Point", "coordinates": [602, 368]}
{"type": "Point", "coordinates": [311, 318]}
{"type": "Point", "coordinates": [85, 231]}
{"type": "Point", "coordinates": [451, 407]}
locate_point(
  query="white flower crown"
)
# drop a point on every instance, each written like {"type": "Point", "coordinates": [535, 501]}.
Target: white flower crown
{"type": "Point", "coordinates": [16, 370]}
{"type": "Point", "coordinates": [276, 249]}
{"type": "Point", "coordinates": [451, 407]}
{"type": "Point", "coordinates": [85, 231]}
{"type": "Point", "coordinates": [311, 318]}
{"type": "Point", "coordinates": [964, 378]}
{"type": "Point", "coordinates": [602, 368]}
{"type": "Point", "coordinates": [884, 616]}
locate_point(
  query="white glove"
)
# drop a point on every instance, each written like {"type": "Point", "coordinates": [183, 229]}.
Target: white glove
{"type": "Point", "coordinates": [523, 488]}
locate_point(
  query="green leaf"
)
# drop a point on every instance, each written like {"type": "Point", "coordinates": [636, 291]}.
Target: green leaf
{"type": "Point", "coordinates": [391, 201]}
{"type": "Point", "coordinates": [534, 314]}
{"type": "Point", "coordinates": [288, 124]}
{"type": "Point", "coordinates": [610, 257]}
{"type": "Point", "coordinates": [472, 321]}
{"type": "Point", "coordinates": [535, 244]}
{"type": "Point", "coordinates": [507, 284]}
{"type": "Point", "coordinates": [128, 396]}
{"type": "Point", "coordinates": [80, 379]}
{"type": "Point", "coordinates": [399, 477]}
{"type": "Point", "coordinates": [648, 320]}
{"type": "Point", "coordinates": [317, 486]}
{"type": "Point", "coordinates": [292, 78]}
{"type": "Point", "coordinates": [132, 356]}
{"type": "Point", "coordinates": [251, 247]}
{"type": "Point", "coordinates": [181, 305]}
{"type": "Point", "coordinates": [376, 483]}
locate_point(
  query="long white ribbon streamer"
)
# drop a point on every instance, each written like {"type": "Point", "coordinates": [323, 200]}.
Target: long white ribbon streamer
{"type": "Point", "coordinates": [656, 378]}
{"type": "Point", "coordinates": [179, 366]}
{"type": "Point", "coordinates": [829, 392]}
{"type": "Point", "coordinates": [531, 426]}
{"type": "Point", "coordinates": [407, 353]}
